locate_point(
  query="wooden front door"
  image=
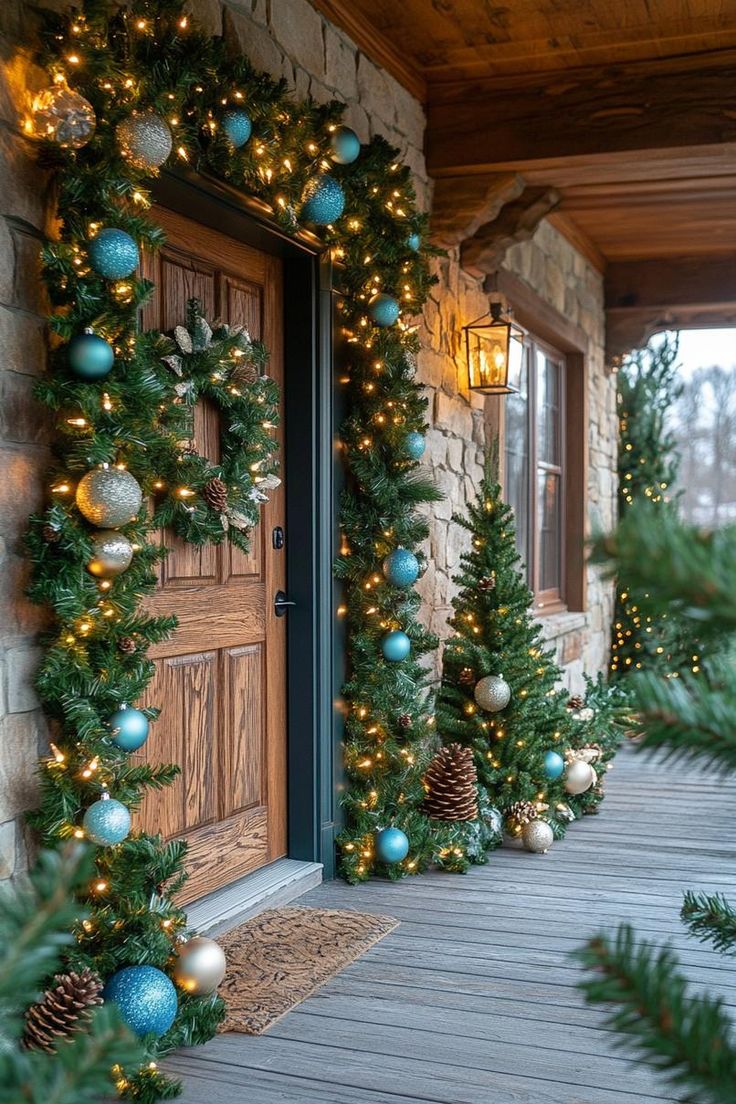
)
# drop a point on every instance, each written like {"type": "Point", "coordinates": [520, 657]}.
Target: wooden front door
{"type": "Point", "coordinates": [221, 680]}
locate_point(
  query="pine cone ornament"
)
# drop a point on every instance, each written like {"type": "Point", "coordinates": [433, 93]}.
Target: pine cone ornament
{"type": "Point", "coordinates": [488, 582]}
{"type": "Point", "coordinates": [51, 534]}
{"type": "Point", "coordinates": [127, 645]}
{"type": "Point", "coordinates": [466, 676]}
{"type": "Point", "coordinates": [244, 372]}
{"type": "Point", "coordinates": [451, 782]}
{"type": "Point", "coordinates": [575, 702]}
{"type": "Point", "coordinates": [521, 813]}
{"type": "Point", "coordinates": [215, 494]}
{"type": "Point", "coordinates": [62, 1010]}
{"type": "Point", "coordinates": [405, 720]}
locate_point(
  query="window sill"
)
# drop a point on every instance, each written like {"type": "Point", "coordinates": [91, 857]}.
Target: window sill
{"type": "Point", "coordinates": [557, 622]}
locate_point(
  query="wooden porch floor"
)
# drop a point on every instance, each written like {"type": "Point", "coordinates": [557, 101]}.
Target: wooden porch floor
{"type": "Point", "coordinates": [472, 1000]}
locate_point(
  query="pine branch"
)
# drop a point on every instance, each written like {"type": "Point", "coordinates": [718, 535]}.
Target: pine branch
{"type": "Point", "coordinates": [712, 919]}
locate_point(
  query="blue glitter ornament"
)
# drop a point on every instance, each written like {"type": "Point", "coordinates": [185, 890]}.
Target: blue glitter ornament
{"type": "Point", "coordinates": [414, 242]}
{"type": "Point", "coordinates": [90, 356]}
{"type": "Point", "coordinates": [384, 309]}
{"type": "Point", "coordinates": [146, 999]}
{"type": "Point", "coordinates": [414, 445]}
{"type": "Point", "coordinates": [237, 127]}
{"type": "Point", "coordinates": [345, 146]}
{"type": "Point", "coordinates": [395, 646]}
{"type": "Point", "coordinates": [554, 765]}
{"type": "Point", "coordinates": [401, 568]}
{"type": "Point", "coordinates": [392, 845]}
{"type": "Point", "coordinates": [113, 254]}
{"type": "Point", "coordinates": [107, 821]}
{"type": "Point", "coordinates": [323, 200]}
{"type": "Point", "coordinates": [129, 728]}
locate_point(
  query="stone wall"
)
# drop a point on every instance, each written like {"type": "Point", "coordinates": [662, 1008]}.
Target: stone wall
{"type": "Point", "coordinates": [288, 38]}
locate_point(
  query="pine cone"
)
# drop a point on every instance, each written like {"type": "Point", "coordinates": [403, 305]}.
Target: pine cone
{"type": "Point", "coordinates": [451, 782]}
{"type": "Point", "coordinates": [62, 1010]}
{"type": "Point", "coordinates": [466, 677]}
{"type": "Point", "coordinates": [405, 720]}
{"type": "Point", "coordinates": [488, 582]}
{"type": "Point", "coordinates": [51, 534]}
{"type": "Point", "coordinates": [575, 702]}
{"type": "Point", "coordinates": [127, 645]}
{"type": "Point", "coordinates": [215, 494]}
{"type": "Point", "coordinates": [522, 812]}
{"type": "Point", "coordinates": [244, 371]}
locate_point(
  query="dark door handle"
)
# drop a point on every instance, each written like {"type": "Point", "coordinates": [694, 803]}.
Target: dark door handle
{"type": "Point", "coordinates": [281, 603]}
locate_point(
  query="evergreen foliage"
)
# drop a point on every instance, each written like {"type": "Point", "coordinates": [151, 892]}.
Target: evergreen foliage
{"type": "Point", "coordinates": [36, 921]}
{"type": "Point", "coordinates": [149, 55]}
{"type": "Point", "coordinates": [692, 717]}
{"type": "Point", "coordinates": [647, 468]}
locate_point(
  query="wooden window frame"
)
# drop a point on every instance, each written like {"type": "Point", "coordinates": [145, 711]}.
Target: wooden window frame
{"type": "Point", "coordinates": [553, 599]}
{"type": "Point", "coordinates": [552, 329]}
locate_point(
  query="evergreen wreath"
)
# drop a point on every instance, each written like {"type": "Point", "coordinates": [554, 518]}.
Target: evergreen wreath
{"type": "Point", "coordinates": [147, 61]}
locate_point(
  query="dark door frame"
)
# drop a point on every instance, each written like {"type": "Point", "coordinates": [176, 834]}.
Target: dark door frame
{"type": "Point", "coordinates": [311, 486]}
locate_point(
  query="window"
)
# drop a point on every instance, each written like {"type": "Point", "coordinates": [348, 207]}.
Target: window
{"type": "Point", "coordinates": [535, 470]}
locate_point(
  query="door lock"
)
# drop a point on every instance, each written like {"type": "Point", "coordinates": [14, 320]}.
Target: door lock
{"type": "Point", "coordinates": [277, 538]}
{"type": "Point", "coordinates": [281, 603]}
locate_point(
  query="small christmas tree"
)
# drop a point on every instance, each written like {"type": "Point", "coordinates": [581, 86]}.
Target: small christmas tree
{"type": "Point", "coordinates": [498, 692]}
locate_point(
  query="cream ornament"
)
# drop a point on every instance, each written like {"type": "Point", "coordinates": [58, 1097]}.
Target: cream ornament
{"type": "Point", "coordinates": [145, 139]}
{"type": "Point", "coordinates": [579, 777]}
{"type": "Point", "coordinates": [200, 966]}
{"type": "Point", "coordinates": [537, 836]}
{"type": "Point", "coordinates": [109, 497]}
{"type": "Point", "coordinates": [492, 693]}
{"type": "Point", "coordinates": [112, 553]}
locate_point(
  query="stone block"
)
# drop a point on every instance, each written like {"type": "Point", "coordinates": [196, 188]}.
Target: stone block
{"type": "Point", "coordinates": [21, 419]}
{"type": "Point", "coordinates": [356, 117]}
{"type": "Point", "coordinates": [7, 263]}
{"type": "Point", "coordinates": [341, 65]}
{"type": "Point", "coordinates": [375, 93]}
{"type": "Point", "coordinates": [22, 340]}
{"type": "Point", "coordinates": [455, 450]}
{"type": "Point", "coordinates": [20, 735]}
{"type": "Point", "coordinates": [208, 14]}
{"type": "Point", "coordinates": [299, 30]}
{"type": "Point", "coordinates": [253, 40]}
{"type": "Point", "coordinates": [7, 849]}
{"type": "Point", "coordinates": [29, 292]}
{"type": "Point", "coordinates": [18, 616]}
{"type": "Point", "coordinates": [453, 415]}
{"type": "Point", "coordinates": [20, 488]}
{"type": "Point", "coordinates": [21, 664]}
{"type": "Point", "coordinates": [411, 120]}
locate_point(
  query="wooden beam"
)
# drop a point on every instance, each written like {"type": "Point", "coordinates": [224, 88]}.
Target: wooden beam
{"type": "Point", "coordinates": [577, 238]}
{"type": "Point", "coordinates": [516, 222]}
{"type": "Point", "coordinates": [519, 122]}
{"type": "Point", "coordinates": [536, 314]}
{"type": "Point", "coordinates": [373, 44]}
{"type": "Point", "coordinates": [462, 204]}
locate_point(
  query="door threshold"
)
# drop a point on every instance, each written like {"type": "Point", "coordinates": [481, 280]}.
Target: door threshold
{"type": "Point", "coordinates": [273, 885]}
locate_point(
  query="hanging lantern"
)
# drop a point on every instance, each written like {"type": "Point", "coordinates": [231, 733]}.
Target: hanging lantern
{"type": "Point", "coordinates": [494, 347]}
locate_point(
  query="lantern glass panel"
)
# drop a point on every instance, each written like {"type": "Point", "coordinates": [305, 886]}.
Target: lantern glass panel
{"type": "Point", "coordinates": [495, 356]}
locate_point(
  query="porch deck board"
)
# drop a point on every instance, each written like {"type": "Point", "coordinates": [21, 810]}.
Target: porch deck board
{"type": "Point", "coordinates": [473, 998]}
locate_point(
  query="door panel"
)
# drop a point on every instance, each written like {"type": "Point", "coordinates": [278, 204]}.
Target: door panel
{"type": "Point", "coordinates": [221, 680]}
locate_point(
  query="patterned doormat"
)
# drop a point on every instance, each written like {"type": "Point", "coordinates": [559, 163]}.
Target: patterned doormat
{"type": "Point", "coordinates": [280, 957]}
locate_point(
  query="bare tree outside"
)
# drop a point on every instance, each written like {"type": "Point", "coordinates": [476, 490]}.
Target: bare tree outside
{"type": "Point", "coordinates": [703, 422]}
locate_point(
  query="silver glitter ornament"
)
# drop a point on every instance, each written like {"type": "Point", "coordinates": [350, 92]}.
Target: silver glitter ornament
{"type": "Point", "coordinates": [537, 836]}
{"type": "Point", "coordinates": [492, 693]}
{"type": "Point", "coordinates": [145, 139]}
{"type": "Point", "coordinates": [111, 554]}
{"type": "Point", "coordinates": [63, 116]}
{"type": "Point", "coordinates": [108, 497]}
{"type": "Point", "coordinates": [579, 777]}
{"type": "Point", "coordinates": [200, 966]}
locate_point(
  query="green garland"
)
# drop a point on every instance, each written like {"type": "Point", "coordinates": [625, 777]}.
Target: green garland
{"type": "Point", "coordinates": [149, 56]}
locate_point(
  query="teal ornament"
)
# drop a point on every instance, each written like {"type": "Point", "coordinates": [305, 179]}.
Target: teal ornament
{"type": "Point", "coordinates": [345, 146]}
{"type": "Point", "coordinates": [145, 997]}
{"type": "Point", "coordinates": [554, 765]}
{"type": "Point", "coordinates": [414, 445]}
{"type": "Point", "coordinates": [238, 127]}
{"type": "Point", "coordinates": [401, 568]}
{"type": "Point", "coordinates": [113, 254]}
{"type": "Point", "coordinates": [395, 646]}
{"type": "Point", "coordinates": [392, 845]}
{"type": "Point", "coordinates": [90, 356]}
{"type": "Point", "coordinates": [323, 200]}
{"type": "Point", "coordinates": [414, 242]}
{"type": "Point", "coordinates": [129, 728]}
{"type": "Point", "coordinates": [107, 821]}
{"type": "Point", "coordinates": [384, 309]}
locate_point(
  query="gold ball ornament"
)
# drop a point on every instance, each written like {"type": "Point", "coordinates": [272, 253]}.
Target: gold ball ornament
{"type": "Point", "coordinates": [109, 497]}
{"type": "Point", "coordinates": [200, 967]}
{"type": "Point", "coordinates": [579, 777]}
{"type": "Point", "coordinates": [537, 836]}
{"type": "Point", "coordinates": [63, 116]}
{"type": "Point", "coordinates": [145, 139]}
{"type": "Point", "coordinates": [111, 554]}
{"type": "Point", "coordinates": [492, 693]}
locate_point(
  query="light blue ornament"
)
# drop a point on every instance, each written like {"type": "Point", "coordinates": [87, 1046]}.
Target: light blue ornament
{"type": "Point", "coordinates": [384, 309]}
{"type": "Point", "coordinates": [113, 254]}
{"type": "Point", "coordinates": [414, 242]}
{"type": "Point", "coordinates": [395, 646]}
{"type": "Point", "coordinates": [90, 356]}
{"type": "Point", "coordinates": [146, 999]}
{"type": "Point", "coordinates": [554, 765]}
{"type": "Point", "coordinates": [238, 127]}
{"type": "Point", "coordinates": [345, 146]}
{"type": "Point", "coordinates": [107, 822]}
{"type": "Point", "coordinates": [323, 200]}
{"type": "Point", "coordinates": [392, 845]}
{"type": "Point", "coordinates": [129, 728]}
{"type": "Point", "coordinates": [401, 567]}
{"type": "Point", "coordinates": [414, 445]}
